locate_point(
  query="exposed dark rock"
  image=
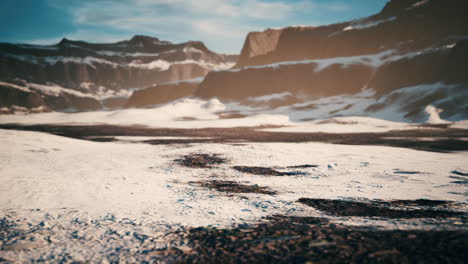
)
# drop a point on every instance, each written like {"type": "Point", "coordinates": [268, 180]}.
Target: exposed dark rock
{"type": "Point", "coordinates": [267, 171]}
{"type": "Point", "coordinates": [303, 166]}
{"type": "Point", "coordinates": [353, 208]}
{"type": "Point", "coordinates": [201, 160]}
{"type": "Point", "coordinates": [459, 173]}
{"type": "Point", "coordinates": [234, 187]}
{"type": "Point", "coordinates": [421, 202]}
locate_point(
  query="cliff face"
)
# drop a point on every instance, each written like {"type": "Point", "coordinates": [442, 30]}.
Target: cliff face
{"type": "Point", "coordinates": [404, 25]}
{"type": "Point", "coordinates": [105, 70]}
{"type": "Point", "coordinates": [258, 44]}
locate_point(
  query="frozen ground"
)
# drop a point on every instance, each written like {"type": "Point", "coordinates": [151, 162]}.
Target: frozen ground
{"type": "Point", "coordinates": [139, 193]}
{"type": "Point", "coordinates": [69, 199]}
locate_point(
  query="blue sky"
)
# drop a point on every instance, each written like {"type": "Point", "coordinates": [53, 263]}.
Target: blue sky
{"type": "Point", "coordinates": [221, 24]}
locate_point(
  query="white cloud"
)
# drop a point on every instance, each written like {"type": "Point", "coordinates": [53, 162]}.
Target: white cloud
{"type": "Point", "coordinates": [221, 24]}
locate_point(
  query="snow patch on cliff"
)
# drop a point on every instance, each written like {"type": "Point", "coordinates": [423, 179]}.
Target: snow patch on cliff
{"type": "Point", "coordinates": [359, 24]}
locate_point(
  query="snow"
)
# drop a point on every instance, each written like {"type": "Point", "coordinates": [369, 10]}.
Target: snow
{"type": "Point", "coordinates": [334, 114]}
{"type": "Point", "coordinates": [125, 54]}
{"type": "Point", "coordinates": [22, 110]}
{"type": "Point", "coordinates": [91, 61]}
{"type": "Point", "coordinates": [354, 124]}
{"type": "Point", "coordinates": [52, 60]}
{"type": "Point", "coordinates": [22, 88]}
{"type": "Point", "coordinates": [157, 64]}
{"type": "Point", "coordinates": [133, 138]}
{"type": "Point", "coordinates": [451, 46]}
{"type": "Point", "coordinates": [419, 4]}
{"type": "Point", "coordinates": [371, 60]}
{"type": "Point", "coordinates": [359, 24]}
{"type": "Point", "coordinates": [86, 85]}
{"type": "Point", "coordinates": [100, 177]}
{"type": "Point", "coordinates": [269, 97]}
{"type": "Point", "coordinates": [55, 90]}
{"type": "Point", "coordinates": [143, 182]}
{"type": "Point", "coordinates": [433, 115]}
{"type": "Point", "coordinates": [87, 200]}
{"type": "Point", "coordinates": [191, 50]}
{"type": "Point", "coordinates": [460, 124]}
{"type": "Point", "coordinates": [194, 80]}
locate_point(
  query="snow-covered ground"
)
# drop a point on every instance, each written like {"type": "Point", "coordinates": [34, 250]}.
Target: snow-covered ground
{"type": "Point", "coordinates": [79, 200]}
{"type": "Point", "coordinates": [81, 194]}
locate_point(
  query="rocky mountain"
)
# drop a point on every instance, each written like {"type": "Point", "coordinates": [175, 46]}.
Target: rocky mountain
{"type": "Point", "coordinates": [100, 71]}
{"type": "Point", "coordinates": [410, 55]}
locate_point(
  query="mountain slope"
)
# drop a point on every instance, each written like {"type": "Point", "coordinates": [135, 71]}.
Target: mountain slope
{"type": "Point", "coordinates": [105, 70]}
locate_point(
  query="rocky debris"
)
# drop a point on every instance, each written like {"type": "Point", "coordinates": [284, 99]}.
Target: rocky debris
{"type": "Point", "coordinates": [234, 187]}
{"type": "Point", "coordinates": [267, 171]}
{"type": "Point", "coordinates": [313, 240]}
{"type": "Point", "coordinates": [375, 209]}
{"type": "Point", "coordinates": [201, 160]}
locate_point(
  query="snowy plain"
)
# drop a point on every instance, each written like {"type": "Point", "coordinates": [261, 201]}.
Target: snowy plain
{"type": "Point", "coordinates": [74, 196]}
